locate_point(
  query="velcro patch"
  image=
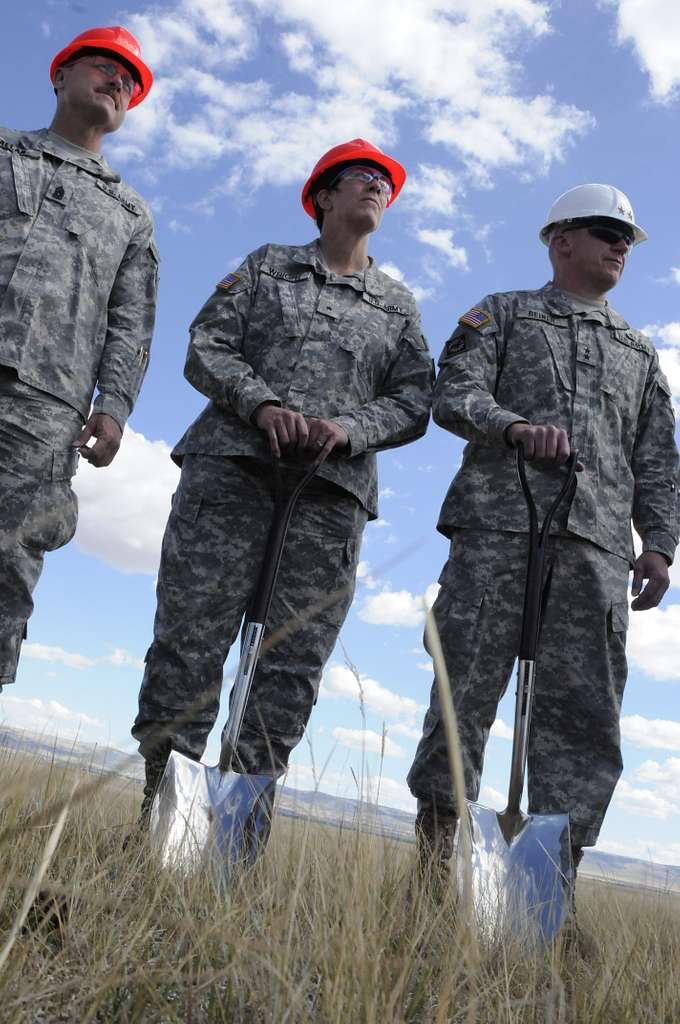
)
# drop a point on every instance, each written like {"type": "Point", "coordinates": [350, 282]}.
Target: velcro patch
{"type": "Point", "coordinates": [228, 281]}
{"type": "Point", "coordinates": [455, 345]}
{"type": "Point", "coordinates": [476, 318]}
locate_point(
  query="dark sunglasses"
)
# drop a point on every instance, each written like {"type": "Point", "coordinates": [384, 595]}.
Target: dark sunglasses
{"type": "Point", "coordinates": [605, 233]}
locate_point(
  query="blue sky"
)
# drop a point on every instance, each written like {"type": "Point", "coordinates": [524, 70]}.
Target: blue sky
{"type": "Point", "coordinates": [495, 107]}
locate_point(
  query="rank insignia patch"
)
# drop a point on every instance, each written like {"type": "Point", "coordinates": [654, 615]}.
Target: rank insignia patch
{"type": "Point", "coordinates": [475, 317]}
{"type": "Point", "coordinates": [228, 281]}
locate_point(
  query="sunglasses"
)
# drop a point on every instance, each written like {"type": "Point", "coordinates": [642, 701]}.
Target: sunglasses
{"type": "Point", "coordinates": [606, 233]}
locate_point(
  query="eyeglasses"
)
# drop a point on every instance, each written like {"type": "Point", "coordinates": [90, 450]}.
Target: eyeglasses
{"type": "Point", "coordinates": [128, 83]}
{"type": "Point", "coordinates": [611, 234]}
{"type": "Point", "coordinates": [366, 175]}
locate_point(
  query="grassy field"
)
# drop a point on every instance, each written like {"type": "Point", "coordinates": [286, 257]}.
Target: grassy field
{"type": "Point", "coordinates": [327, 928]}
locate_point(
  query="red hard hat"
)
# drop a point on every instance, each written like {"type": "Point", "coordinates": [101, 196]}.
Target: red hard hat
{"type": "Point", "coordinates": [116, 39]}
{"type": "Point", "coordinates": [357, 149]}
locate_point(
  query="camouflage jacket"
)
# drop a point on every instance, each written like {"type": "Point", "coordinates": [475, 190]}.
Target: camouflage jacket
{"type": "Point", "coordinates": [548, 358]}
{"type": "Point", "coordinates": [78, 274]}
{"type": "Point", "coordinates": [284, 329]}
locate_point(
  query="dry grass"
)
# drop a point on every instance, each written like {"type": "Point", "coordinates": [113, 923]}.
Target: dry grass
{"type": "Point", "coordinates": [327, 928]}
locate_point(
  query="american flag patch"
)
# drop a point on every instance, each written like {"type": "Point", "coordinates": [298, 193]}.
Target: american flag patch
{"type": "Point", "coordinates": [228, 281]}
{"type": "Point", "coordinates": [475, 317]}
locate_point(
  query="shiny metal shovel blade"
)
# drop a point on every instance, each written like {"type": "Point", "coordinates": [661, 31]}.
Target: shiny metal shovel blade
{"type": "Point", "coordinates": [202, 816]}
{"type": "Point", "coordinates": [520, 888]}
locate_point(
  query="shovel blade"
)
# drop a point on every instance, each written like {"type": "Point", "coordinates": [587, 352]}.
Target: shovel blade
{"type": "Point", "coordinates": [522, 888]}
{"type": "Point", "coordinates": [202, 817]}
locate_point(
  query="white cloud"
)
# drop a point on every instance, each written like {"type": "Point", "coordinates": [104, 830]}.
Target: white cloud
{"type": "Point", "coordinates": [493, 798]}
{"type": "Point", "coordinates": [411, 731]}
{"type": "Point", "coordinates": [124, 508]}
{"type": "Point", "coordinates": [433, 189]}
{"type": "Point", "coordinates": [37, 716]}
{"type": "Point", "coordinates": [653, 29]}
{"type": "Point", "coordinates": [673, 277]}
{"type": "Point", "coordinates": [654, 642]}
{"type": "Point", "coordinates": [386, 492]}
{"type": "Point", "coordinates": [397, 607]}
{"type": "Point", "coordinates": [368, 741]}
{"type": "Point", "coordinates": [441, 239]}
{"type": "Point", "coordinates": [669, 333]}
{"type": "Point", "coordinates": [364, 575]}
{"type": "Point", "coordinates": [662, 799]}
{"type": "Point", "coordinates": [340, 682]}
{"type": "Point", "coordinates": [645, 802]}
{"type": "Point", "coordinates": [419, 293]}
{"type": "Point", "coordinates": [379, 524]}
{"type": "Point", "coordinates": [658, 733]}
{"type": "Point", "coordinates": [500, 730]}
{"type": "Point", "coordinates": [43, 652]}
{"type": "Point", "coordinates": [642, 849]}
{"type": "Point", "coordinates": [666, 775]}
{"type": "Point", "coordinates": [177, 227]}
{"type": "Point", "coordinates": [426, 666]}
{"type": "Point", "coordinates": [348, 83]}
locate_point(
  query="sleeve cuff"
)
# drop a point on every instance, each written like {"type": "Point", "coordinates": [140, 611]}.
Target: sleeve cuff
{"type": "Point", "coordinates": [498, 423]}
{"type": "Point", "coordinates": [116, 408]}
{"type": "Point", "coordinates": [664, 543]}
{"type": "Point", "coordinates": [250, 397]}
{"type": "Point", "coordinates": [356, 437]}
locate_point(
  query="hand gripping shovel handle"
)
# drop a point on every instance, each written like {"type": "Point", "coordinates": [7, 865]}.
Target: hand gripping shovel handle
{"type": "Point", "coordinates": [531, 622]}
{"type": "Point", "coordinates": [253, 631]}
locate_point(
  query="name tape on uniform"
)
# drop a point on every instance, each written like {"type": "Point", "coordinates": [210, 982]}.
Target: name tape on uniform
{"type": "Point", "coordinates": [228, 281]}
{"type": "Point", "coordinates": [389, 307]}
{"type": "Point", "coordinates": [476, 318]}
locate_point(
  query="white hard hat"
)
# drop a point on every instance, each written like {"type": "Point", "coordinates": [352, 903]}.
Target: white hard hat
{"type": "Point", "coordinates": [592, 201]}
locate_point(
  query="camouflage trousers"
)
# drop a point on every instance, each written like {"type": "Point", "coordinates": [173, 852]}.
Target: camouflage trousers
{"type": "Point", "coordinates": [574, 745]}
{"type": "Point", "coordinates": [212, 552]}
{"type": "Point", "coordinates": [38, 513]}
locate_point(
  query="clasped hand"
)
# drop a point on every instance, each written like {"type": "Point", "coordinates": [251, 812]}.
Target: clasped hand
{"type": "Point", "coordinates": [290, 432]}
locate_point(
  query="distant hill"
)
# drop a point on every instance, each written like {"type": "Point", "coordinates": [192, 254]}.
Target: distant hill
{"type": "Point", "coordinates": [335, 811]}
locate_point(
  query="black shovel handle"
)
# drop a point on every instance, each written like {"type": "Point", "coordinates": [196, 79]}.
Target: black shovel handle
{"type": "Point", "coordinates": [511, 819]}
{"type": "Point", "coordinates": [273, 552]}
{"type": "Point", "coordinates": [538, 542]}
{"type": "Point", "coordinates": [256, 616]}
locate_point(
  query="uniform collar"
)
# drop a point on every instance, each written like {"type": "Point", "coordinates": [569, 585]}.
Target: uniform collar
{"type": "Point", "coordinates": [565, 305]}
{"type": "Point", "coordinates": [95, 164]}
{"type": "Point", "coordinates": [310, 255]}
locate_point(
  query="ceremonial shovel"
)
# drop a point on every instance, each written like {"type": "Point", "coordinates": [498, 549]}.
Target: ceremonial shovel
{"type": "Point", "coordinates": [522, 874]}
{"type": "Point", "coordinates": [220, 817]}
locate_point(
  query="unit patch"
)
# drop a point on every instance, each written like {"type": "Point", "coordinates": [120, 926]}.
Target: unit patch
{"type": "Point", "coordinates": [476, 318]}
{"type": "Point", "coordinates": [228, 281]}
{"type": "Point", "coordinates": [456, 345]}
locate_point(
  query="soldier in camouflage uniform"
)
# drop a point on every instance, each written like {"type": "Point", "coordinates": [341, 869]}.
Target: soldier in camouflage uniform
{"type": "Point", "coordinates": [557, 369]}
{"type": "Point", "coordinates": [303, 350]}
{"type": "Point", "coordinates": [78, 273]}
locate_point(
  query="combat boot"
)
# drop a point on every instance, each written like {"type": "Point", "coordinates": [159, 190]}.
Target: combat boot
{"type": "Point", "coordinates": [153, 773]}
{"type": "Point", "coordinates": [435, 831]}
{"type": "Point", "coordinates": [576, 940]}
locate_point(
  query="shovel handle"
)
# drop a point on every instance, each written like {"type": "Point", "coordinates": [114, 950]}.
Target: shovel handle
{"type": "Point", "coordinates": [253, 630]}
{"type": "Point", "coordinates": [531, 624]}
{"type": "Point", "coordinates": [538, 542]}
